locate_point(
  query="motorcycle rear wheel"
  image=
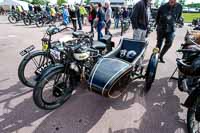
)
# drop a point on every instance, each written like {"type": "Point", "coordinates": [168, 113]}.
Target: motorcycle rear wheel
{"type": "Point", "coordinates": [192, 122]}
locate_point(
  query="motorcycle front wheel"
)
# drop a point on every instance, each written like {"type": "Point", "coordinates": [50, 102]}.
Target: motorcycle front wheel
{"type": "Point", "coordinates": [12, 19]}
{"type": "Point", "coordinates": [53, 90]}
{"type": "Point", "coordinates": [193, 117]}
{"type": "Point", "coordinates": [30, 68]}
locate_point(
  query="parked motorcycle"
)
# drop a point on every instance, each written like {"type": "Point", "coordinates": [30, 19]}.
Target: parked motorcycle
{"type": "Point", "coordinates": [15, 17]}
{"type": "Point", "coordinates": [189, 81]}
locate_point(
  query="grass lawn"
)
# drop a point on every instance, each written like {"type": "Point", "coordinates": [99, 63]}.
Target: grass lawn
{"type": "Point", "coordinates": [188, 17]}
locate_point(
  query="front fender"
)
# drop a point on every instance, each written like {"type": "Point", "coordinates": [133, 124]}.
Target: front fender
{"type": "Point", "coordinates": [192, 98]}
{"type": "Point", "coordinates": [51, 68]}
{"type": "Point", "coordinates": [38, 52]}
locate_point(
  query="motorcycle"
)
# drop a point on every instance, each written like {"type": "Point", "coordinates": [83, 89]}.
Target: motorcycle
{"type": "Point", "coordinates": [15, 17]}
{"type": "Point", "coordinates": [189, 81]}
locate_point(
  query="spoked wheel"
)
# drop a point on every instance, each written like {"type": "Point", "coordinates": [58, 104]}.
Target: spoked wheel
{"type": "Point", "coordinates": [53, 90]}
{"type": "Point", "coordinates": [193, 117]}
{"type": "Point", "coordinates": [39, 23]}
{"type": "Point", "coordinates": [27, 21]}
{"type": "Point", "coordinates": [12, 19]}
{"type": "Point", "coordinates": [151, 72]}
{"type": "Point", "coordinates": [31, 67]}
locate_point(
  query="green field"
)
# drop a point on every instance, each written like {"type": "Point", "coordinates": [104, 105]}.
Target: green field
{"type": "Point", "coordinates": [188, 17]}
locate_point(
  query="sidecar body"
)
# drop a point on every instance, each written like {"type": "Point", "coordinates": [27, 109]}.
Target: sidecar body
{"type": "Point", "coordinates": [111, 73]}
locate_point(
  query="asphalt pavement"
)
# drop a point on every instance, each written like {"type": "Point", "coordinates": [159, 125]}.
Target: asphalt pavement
{"type": "Point", "coordinates": [158, 112]}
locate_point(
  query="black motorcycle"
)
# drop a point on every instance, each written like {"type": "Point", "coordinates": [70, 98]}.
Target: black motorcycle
{"type": "Point", "coordinates": [15, 17]}
{"type": "Point", "coordinates": [59, 80]}
{"type": "Point", "coordinates": [189, 81]}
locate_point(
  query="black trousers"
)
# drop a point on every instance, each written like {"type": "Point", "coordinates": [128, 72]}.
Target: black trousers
{"type": "Point", "coordinates": [107, 28]}
{"type": "Point", "coordinates": [74, 23]}
{"type": "Point", "coordinates": [169, 37]}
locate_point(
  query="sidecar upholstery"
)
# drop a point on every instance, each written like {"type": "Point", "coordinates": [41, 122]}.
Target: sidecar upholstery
{"type": "Point", "coordinates": [111, 70]}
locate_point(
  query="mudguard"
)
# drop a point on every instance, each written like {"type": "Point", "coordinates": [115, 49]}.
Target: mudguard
{"type": "Point", "coordinates": [192, 98]}
{"type": "Point", "coordinates": [49, 69]}
{"type": "Point", "coordinates": [33, 53]}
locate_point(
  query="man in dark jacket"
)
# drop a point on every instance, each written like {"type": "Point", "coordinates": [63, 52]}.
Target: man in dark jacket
{"type": "Point", "coordinates": [139, 20]}
{"type": "Point", "coordinates": [167, 16]}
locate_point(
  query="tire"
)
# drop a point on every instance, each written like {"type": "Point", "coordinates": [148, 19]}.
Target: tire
{"type": "Point", "coordinates": [191, 116]}
{"type": "Point", "coordinates": [39, 23]}
{"type": "Point", "coordinates": [12, 19]}
{"type": "Point", "coordinates": [27, 21]}
{"type": "Point", "coordinates": [151, 72]}
{"type": "Point", "coordinates": [58, 88]}
{"type": "Point", "coordinates": [31, 82]}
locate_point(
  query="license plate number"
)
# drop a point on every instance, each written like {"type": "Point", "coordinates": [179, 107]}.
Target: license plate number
{"type": "Point", "coordinates": [27, 50]}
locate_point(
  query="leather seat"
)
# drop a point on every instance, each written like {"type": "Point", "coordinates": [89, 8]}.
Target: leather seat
{"type": "Point", "coordinates": [99, 45]}
{"type": "Point", "coordinates": [78, 34]}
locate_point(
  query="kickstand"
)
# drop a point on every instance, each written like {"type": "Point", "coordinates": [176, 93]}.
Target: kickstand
{"type": "Point", "coordinates": [172, 76]}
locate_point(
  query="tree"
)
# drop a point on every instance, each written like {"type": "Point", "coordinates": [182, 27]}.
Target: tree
{"type": "Point", "coordinates": [60, 2]}
{"type": "Point", "coordinates": [156, 4]}
{"type": "Point", "coordinates": [182, 2]}
{"type": "Point", "coordinates": [40, 2]}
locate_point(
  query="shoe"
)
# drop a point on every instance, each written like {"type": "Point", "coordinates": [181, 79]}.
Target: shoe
{"type": "Point", "coordinates": [161, 60]}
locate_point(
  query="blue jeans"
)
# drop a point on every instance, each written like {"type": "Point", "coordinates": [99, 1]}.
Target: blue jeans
{"type": "Point", "coordinates": [116, 22]}
{"type": "Point", "coordinates": [99, 29]}
{"type": "Point", "coordinates": [79, 23]}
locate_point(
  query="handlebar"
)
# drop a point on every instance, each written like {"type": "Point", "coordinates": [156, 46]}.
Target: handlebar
{"type": "Point", "coordinates": [188, 50]}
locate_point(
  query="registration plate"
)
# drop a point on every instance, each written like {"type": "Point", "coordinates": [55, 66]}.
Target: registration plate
{"type": "Point", "coordinates": [27, 50]}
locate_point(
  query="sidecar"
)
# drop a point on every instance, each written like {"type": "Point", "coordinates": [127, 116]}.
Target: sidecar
{"type": "Point", "coordinates": [112, 73]}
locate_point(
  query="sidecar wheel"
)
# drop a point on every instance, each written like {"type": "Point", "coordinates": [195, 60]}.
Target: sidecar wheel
{"type": "Point", "coordinates": [151, 72]}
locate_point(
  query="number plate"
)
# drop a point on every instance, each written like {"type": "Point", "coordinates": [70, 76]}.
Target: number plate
{"type": "Point", "coordinates": [27, 50]}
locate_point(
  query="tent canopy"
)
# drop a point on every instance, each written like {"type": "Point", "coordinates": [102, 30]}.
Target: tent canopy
{"type": "Point", "coordinates": [15, 3]}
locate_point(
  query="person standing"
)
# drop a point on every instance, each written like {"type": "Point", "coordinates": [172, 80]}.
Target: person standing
{"type": "Point", "coordinates": [167, 16]}
{"type": "Point", "coordinates": [78, 14]}
{"type": "Point", "coordinates": [65, 15]}
{"type": "Point", "coordinates": [92, 16]}
{"type": "Point", "coordinates": [139, 20]}
{"type": "Point", "coordinates": [108, 16]}
{"type": "Point", "coordinates": [100, 20]}
{"type": "Point", "coordinates": [72, 13]}
{"type": "Point", "coordinates": [83, 13]}
{"type": "Point", "coordinates": [117, 17]}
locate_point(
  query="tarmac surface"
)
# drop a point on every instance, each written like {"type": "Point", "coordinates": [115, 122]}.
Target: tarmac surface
{"type": "Point", "coordinates": [160, 111]}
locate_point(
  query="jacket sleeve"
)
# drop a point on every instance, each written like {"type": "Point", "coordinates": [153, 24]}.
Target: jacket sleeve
{"type": "Point", "coordinates": [158, 16]}
{"type": "Point", "coordinates": [134, 15]}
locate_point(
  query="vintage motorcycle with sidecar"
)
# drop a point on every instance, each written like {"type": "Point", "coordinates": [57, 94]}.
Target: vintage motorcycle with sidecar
{"type": "Point", "coordinates": [106, 75]}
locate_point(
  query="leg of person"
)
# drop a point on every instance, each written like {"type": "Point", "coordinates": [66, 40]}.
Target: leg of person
{"type": "Point", "coordinates": [168, 44]}
{"type": "Point", "coordinates": [92, 29]}
{"type": "Point", "coordinates": [160, 38]}
{"type": "Point", "coordinates": [117, 25]}
{"type": "Point", "coordinates": [143, 35]}
{"type": "Point", "coordinates": [79, 24]}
